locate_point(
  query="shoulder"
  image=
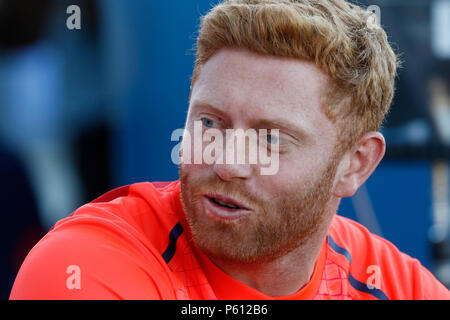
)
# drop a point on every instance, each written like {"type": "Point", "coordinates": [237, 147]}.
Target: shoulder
{"type": "Point", "coordinates": [112, 244]}
{"type": "Point", "coordinates": [374, 262]}
{"type": "Point", "coordinates": [141, 212]}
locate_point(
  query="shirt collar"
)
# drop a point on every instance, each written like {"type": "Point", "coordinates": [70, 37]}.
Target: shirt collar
{"type": "Point", "coordinates": [227, 288]}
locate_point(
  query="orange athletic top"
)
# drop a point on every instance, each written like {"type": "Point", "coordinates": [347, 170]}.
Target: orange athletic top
{"type": "Point", "coordinates": [133, 243]}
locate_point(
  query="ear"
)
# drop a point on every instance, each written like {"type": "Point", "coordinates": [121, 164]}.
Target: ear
{"type": "Point", "coordinates": [359, 163]}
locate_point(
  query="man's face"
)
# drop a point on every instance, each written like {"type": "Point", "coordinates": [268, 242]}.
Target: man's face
{"type": "Point", "coordinates": [234, 212]}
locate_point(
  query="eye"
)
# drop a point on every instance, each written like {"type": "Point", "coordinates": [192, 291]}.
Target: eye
{"type": "Point", "coordinates": [207, 122]}
{"type": "Point", "coordinates": [273, 139]}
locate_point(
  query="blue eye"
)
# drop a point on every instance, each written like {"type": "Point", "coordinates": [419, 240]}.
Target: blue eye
{"type": "Point", "coordinates": [207, 122]}
{"type": "Point", "coordinates": [272, 139]}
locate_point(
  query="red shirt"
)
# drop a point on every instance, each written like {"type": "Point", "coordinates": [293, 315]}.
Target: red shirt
{"type": "Point", "coordinates": [132, 243]}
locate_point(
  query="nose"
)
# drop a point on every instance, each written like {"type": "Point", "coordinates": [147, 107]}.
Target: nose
{"type": "Point", "coordinates": [234, 162]}
{"type": "Point", "coordinates": [232, 165]}
{"type": "Point", "coordinates": [228, 172]}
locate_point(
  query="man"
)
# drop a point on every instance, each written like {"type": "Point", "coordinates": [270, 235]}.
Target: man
{"type": "Point", "coordinates": [316, 80]}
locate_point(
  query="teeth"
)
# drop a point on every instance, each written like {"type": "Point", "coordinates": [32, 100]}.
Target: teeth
{"type": "Point", "coordinates": [229, 205]}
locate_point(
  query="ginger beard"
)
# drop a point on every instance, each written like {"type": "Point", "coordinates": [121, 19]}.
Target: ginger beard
{"type": "Point", "coordinates": [279, 222]}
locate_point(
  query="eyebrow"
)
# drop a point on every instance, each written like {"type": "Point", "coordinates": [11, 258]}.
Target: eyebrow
{"type": "Point", "coordinates": [200, 103]}
{"type": "Point", "coordinates": [282, 124]}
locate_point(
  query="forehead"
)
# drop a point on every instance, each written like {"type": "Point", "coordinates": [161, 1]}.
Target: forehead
{"type": "Point", "coordinates": [248, 86]}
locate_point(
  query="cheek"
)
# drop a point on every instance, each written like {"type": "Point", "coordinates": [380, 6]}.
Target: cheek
{"type": "Point", "coordinates": [305, 164]}
{"type": "Point", "coordinates": [276, 189]}
{"type": "Point", "coordinates": [193, 175]}
{"type": "Point", "coordinates": [191, 149]}
{"type": "Point", "coordinates": [295, 177]}
{"type": "Point", "coordinates": [292, 172]}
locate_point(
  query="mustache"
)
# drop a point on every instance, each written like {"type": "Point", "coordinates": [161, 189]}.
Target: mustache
{"type": "Point", "coordinates": [232, 189]}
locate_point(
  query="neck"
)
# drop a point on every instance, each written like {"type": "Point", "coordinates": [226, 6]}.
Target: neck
{"type": "Point", "coordinates": [285, 275]}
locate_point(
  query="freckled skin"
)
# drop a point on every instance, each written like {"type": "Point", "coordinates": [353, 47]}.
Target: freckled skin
{"type": "Point", "coordinates": [287, 209]}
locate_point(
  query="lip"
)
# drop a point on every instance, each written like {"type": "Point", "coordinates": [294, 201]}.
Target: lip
{"type": "Point", "coordinates": [222, 212]}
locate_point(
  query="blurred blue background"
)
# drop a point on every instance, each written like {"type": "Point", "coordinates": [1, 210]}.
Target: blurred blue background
{"type": "Point", "coordinates": [84, 111]}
